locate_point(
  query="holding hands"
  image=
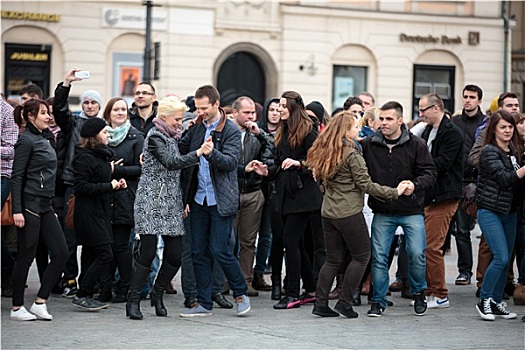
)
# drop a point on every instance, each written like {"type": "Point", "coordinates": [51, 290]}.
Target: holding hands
{"type": "Point", "coordinates": [206, 148]}
{"type": "Point", "coordinates": [405, 187]}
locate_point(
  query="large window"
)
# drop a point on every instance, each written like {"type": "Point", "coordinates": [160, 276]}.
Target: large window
{"type": "Point", "coordinates": [347, 81]}
{"type": "Point", "coordinates": [433, 79]}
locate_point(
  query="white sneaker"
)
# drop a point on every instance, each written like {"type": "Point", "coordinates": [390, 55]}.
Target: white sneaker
{"type": "Point", "coordinates": [40, 310]}
{"type": "Point", "coordinates": [437, 303]}
{"type": "Point", "coordinates": [22, 315]}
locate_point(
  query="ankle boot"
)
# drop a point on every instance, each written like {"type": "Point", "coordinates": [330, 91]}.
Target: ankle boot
{"type": "Point", "coordinates": [336, 292]}
{"type": "Point", "coordinates": [519, 294]}
{"type": "Point", "coordinates": [276, 288]}
{"type": "Point", "coordinates": [166, 274]}
{"type": "Point", "coordinates": [138, 278]}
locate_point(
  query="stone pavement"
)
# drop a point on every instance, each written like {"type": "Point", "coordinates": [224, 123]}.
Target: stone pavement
{"type": "Point", "coordinates": [458, 327]}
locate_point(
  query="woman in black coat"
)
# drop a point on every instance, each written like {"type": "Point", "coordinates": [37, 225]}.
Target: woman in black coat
{"type": "Point", "coordinates": [93, 197]}
{"type": "Point", "coordinates": [126, 142]}
{"type": "Point", "coordinates": [298, 196]}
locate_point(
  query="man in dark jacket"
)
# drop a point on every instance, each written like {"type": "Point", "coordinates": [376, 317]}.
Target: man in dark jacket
{"type": "Point", "coordinates": [214, 192]}
{"type": "Point", "coordinates": [70, 125]}
{"type": "Point", "coordinates": [248, 218]}
{"type": "Point", "coordinates": [445, 143]}
{"type": "Point", "coordinates": [468, 122]}
{"type": "Point", "coordinates": [392, 155]}
{"type": "Point", "coordinates": [144, 109]}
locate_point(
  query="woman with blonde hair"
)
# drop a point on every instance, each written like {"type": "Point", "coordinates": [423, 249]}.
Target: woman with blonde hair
{"type": "Point", "coordinates": [158, 204]}
{"type": "Point", "coordinates": [336, 160]}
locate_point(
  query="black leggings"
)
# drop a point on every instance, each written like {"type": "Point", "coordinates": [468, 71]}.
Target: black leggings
{"type": "Point", "coordinates": [297, 261]}
{"type": "Point", "coordinates": [172, 250]}
{"type": "Point", "coordinates": [40, 224]}
{"type": "Point", "coordinates": [95, 262]}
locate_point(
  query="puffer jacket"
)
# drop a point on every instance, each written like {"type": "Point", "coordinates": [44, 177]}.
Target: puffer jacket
{"type": "Point", "coordinates": [223, 163]}
{"type": "Point", "coordinates": [497, 181]}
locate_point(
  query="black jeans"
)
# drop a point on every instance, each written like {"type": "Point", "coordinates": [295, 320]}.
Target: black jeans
{"type": "Point", "coordinates": [95, 262]}
{"type": "Point", "coordinates": [122, 253]}
{"type": "Point", "coordinates": [40, 223]}
{"type": "Point", "coordinates": [297, 260]}
{"type": "Point", "coordinates": [460, 228]}
{"type": "Point", "coordinates": [341, 234]}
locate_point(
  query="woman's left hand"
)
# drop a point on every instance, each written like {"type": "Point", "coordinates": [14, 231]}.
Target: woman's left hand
{"type": "Point", "coordinates": [289, 162]}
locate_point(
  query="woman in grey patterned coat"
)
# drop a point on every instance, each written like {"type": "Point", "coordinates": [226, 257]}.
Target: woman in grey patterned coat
{"type": "Point", "coordinates": [158, 204]}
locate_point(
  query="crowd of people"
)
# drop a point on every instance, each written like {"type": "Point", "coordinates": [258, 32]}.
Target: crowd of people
{"type": "Point", "coordinates": [227, 193]}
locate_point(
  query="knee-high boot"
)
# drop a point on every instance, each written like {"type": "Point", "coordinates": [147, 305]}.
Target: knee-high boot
{"type": "Point", "coordinates": [165, 275]}
{"type": "Point", "coordinates": [138, 278]}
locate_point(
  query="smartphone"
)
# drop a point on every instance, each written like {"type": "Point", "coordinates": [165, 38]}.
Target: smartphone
{"type": "Point", "coordinates": [82, 74]}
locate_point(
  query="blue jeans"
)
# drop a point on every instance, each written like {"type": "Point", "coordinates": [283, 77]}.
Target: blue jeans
{"type": "Point", "coordinates": [189, 286]}
{"type": "Point", "coordinates": [520, 253]}
{"type": "Point", "coordinates": [383, 233]}
{"type": "Point", "coordinates": [211, 236]}
{"type": "Point", "coordinates": [264, 242]}
{"type": "Point", "coordinates": [499, 231]}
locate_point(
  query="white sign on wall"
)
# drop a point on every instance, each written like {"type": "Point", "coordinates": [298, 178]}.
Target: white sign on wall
{"type": "Point", "coordinates": [133, 18]}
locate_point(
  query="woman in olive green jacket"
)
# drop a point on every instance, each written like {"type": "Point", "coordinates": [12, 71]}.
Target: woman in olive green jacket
{"type": "Point", "coordinates": [335, 159]}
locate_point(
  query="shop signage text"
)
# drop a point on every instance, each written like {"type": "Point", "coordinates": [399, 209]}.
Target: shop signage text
{"type": "Point", "coordinates": [31, 16]}
{"type": "Point", "coordinates": [429, 39]}
{"type": "Point", "coordinates": [133, 18]}
{"type": "Point", "coordinates": [29, 56]}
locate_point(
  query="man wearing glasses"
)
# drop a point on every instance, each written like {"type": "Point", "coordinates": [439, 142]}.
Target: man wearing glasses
{"type": "Point", "coordinates": [144, 109]}
{"type": "Point", "coordinates": [445, 144]}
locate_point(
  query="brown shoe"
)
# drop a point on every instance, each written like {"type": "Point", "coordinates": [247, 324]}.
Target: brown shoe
{"type": "Point", "coordinates": [519, 294]}
{"type": "Point", "coordinates": [251, 292]}
{"type": "Point", "coordinates": [169, 289]}
{"type": "Point", "coordinates": [259, 283]}
{"type": "Point", "coordinates": [396, 286]}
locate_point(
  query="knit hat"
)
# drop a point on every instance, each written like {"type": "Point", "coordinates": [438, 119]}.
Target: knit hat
{"type": "Point", "coordinates": [92, 127]}
{"type": "Point", "coordinates": [494, 105]}
{"type": "Point", "coordinates": [318, 110]}
{"type": "Point", "coordinates": [91, 95]}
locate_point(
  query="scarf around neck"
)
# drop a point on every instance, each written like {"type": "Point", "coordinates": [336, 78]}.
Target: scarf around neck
{"type": "Point", "coordinates": [118, 134]}
{"type": "Point", "coordinates": [166, 129]}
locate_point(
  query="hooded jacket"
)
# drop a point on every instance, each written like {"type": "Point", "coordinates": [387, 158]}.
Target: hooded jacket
{"type": "Point", "coordinates": [410, 160]}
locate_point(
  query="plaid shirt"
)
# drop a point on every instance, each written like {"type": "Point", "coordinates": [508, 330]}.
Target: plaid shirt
{"type": "Point", "coordinates": [9, 134]}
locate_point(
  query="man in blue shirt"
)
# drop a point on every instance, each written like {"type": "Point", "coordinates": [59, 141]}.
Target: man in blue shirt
{"type": "Point", "coordinates": [213, 194]}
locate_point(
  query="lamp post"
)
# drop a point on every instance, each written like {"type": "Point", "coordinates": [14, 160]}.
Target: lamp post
{"type": "Point", "coordinates": [146, 75]}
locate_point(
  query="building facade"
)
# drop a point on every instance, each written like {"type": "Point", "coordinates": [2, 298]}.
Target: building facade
{"type": "Point", "coordinates": [326, 50]}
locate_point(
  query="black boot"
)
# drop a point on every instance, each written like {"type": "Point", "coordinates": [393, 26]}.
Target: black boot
{"type": "Point", "coordinates": [166, 274]}
{"type": "Point", "coordinates": [356, 297]}
{"type": "Point", "coordinates": [276, 288]}
{"type": "Point", "coordinates": [138, 278]}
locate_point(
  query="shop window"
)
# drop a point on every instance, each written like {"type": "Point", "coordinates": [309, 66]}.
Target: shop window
{"type": "Point", "coordinates": [347, 81]}
{"type": "Point", "coordinates": [433, 79]}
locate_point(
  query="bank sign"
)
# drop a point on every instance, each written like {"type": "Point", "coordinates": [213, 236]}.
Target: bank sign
{"type": "Point", "coordinates": [133, 18]}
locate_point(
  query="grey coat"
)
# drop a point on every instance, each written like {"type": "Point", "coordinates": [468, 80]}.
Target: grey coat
{"type": "Point", "coordinates": [158, 205]}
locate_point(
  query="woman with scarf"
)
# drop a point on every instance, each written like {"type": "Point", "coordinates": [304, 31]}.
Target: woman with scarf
{"type": "Point", "coordinates": [159, 207]}
{"type": "Point", "coordinates": [127, 143]}
{"type": "Point", "coordinates": [335, 158]}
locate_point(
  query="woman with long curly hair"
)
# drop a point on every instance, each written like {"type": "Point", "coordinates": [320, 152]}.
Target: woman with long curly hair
{"type": "Point", "coordinates": [298, 197]}
{"type": "Point", "coordinates": [336, 160]}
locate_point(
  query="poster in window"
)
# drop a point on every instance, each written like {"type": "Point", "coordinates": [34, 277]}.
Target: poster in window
{"type": "Point", "coordinates": [129, 78]}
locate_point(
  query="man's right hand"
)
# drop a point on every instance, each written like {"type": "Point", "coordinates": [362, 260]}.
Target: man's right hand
{"type": "Point", "coordinates": [70, 77]}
